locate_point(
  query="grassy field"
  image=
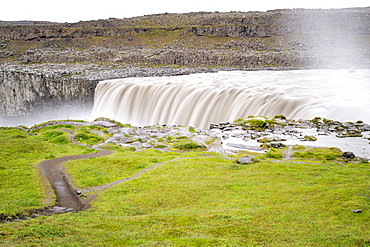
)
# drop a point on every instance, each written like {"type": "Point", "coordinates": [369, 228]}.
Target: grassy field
{"type": "Point", "coordinates": [21, 187]}
{"type": "Point", "coordinates": [202, 199]}
{"type": "Point", "coordinates": [124, 163]}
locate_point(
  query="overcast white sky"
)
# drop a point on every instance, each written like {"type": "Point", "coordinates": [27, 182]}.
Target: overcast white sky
{"type": "Point", "coordinates": [76, 10]}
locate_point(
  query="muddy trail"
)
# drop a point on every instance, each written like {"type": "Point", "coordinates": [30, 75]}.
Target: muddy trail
{"type": "Point", "coordinates": [67, 196]}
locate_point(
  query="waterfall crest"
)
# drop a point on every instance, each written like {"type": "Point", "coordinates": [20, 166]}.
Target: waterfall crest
{"type": "Point", "coordinates": [200, 99]}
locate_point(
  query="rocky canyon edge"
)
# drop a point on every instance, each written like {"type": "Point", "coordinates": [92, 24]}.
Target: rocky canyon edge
{"type": "Point", "coordinates": [45, 65]}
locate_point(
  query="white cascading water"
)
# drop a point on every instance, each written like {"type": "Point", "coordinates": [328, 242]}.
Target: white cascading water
{"type": "Point", "coordinates": [201, 99]}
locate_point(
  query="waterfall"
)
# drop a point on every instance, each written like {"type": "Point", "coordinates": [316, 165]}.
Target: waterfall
{"type": "Point", "coordinates": [201, 99]}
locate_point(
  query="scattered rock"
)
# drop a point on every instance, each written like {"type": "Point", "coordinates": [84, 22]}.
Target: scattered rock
{"type": "Point", "coordinates": [245, 160]}
{"type": "Point", "coordinates": [349, 155]}
{"type": "Point", "coordinates": [273, 145]}
{"type": "Point", "coordinates": [309, 138]}
{"type": "Point", "coordinates": [164, 137]}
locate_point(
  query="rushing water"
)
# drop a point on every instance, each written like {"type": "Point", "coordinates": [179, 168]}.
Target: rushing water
{"type": "Point", "coordinates": [201, 99]}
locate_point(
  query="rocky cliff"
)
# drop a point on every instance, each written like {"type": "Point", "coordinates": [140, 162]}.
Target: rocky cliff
{"type": "Point", "coordinates": [61, 89]}
{"type": "Point", "coordinates": [45, 65]}
{"type": "Point", "coordinates": [24, 92]}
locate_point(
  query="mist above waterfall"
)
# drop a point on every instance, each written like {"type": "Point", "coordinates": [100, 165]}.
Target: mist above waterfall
{"type": "Point", "coordinates": [201, 99]}
{"type": "Point", "coordinates": [61, 112]}
{"type": "Point", "coordinates": [337, 39]}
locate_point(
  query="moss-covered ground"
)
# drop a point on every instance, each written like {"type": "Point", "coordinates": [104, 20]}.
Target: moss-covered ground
{"type": "Point", "coordinates": [202, 199]}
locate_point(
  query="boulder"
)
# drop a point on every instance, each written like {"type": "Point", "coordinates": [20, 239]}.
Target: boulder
{"type": "Point", "coordinates": [245, 160]}
{"type": "Point", "coordinates": [349, 155]}
{"type": "Point", "coordinates": [277, 145]}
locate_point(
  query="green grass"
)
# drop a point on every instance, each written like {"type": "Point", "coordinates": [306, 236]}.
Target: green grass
{"type": "Point", "coordinates": [89, 139]}
{"type": "Point", "coordinates": [124, 163]}
{"type": "Point", "coordinates": [21, 187]}
{"type": "Point", "coordinates": [52, 127]}
{"type": "Point", "coordinates": [321, 154]}
{"type": "Point", "coordinates": [186, 145]}
{"type": "Point", "coordinates": [274, 154]}
{"type": "Point", "coordinates": [91, 127]}
{"type": "Point", "coordinates": [92, 135]}
{"type": "Point", "coordinates": [192, 129]}
{"type": "Point", "coordinates": [202, 199]}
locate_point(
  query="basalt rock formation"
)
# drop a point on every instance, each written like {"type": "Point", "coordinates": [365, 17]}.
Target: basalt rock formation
{"type": "Point", "coordinates": [23, 92]}
{"type": "Point", "coordinates": [62, 88]}
{"type": "Point", "coordinates": [89, 51]}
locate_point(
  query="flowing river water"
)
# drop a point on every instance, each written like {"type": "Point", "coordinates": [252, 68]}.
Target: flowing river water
{"type": "Point", "coordinates": [201, 99]}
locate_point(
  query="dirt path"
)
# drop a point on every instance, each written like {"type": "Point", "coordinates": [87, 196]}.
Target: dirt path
{"type": "Point", "coordinates": [288, 153]}
{"type": "Point", "coordinates": [67, 196]}
{"type": "Point", "coordinates": [105, 186]}
{"type": "Point", "coordinates": [65, 193]}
